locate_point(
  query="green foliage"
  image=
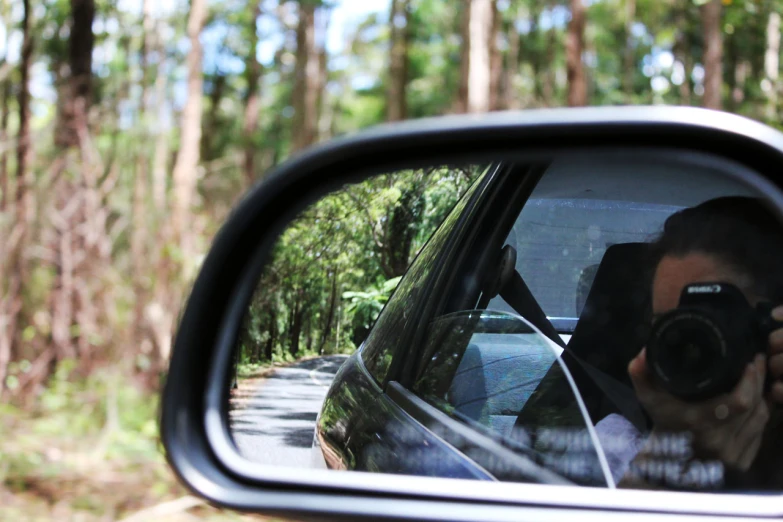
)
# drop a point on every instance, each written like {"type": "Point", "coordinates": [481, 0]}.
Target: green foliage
{"type": "Point", "coordinates": [337, 263]}
{"type": "Point", "coordinates": [364, 307]}
{"type": "Point", "coordinates": [84, 429]}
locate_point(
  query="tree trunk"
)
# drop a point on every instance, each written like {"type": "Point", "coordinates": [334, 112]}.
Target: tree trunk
{"type": "Point", "coordinates": [308, 328]}
{"type": "Point", "coordinates": [78, 94]}
{"type": "Point", "coordinates": [297, 314]}
{"type": "Point", "coordinates": [772, 66]}
{"type": "Point", "coordinates": [713, 54]}
{"type": "Point", "coordinates": [212, 120]}
{"type": "Point", "coordinates": [139, 237]}
{"type": "Point", "coordinates": [322, 124]}
{"type": "Point", "coordinates": [495, 60]}
{"type": "Point", "coordinates": [270, 342]}
{"type": "Point", "coordinates": [14, 244]}
{"type": "Point", "coordinates": [401, 228]}
{"type": "Point", "coordinates": [186, 165]}
{"type": "Point", "coordinates": [252, 100]}
{"type": "Point", "coordinates": [732, 59]}
{"type": "Point", "coordinates": [461, 104]}
{"type": "Point", "coordinates": [511, 70]}
{"type": "Point", "coordinates": [741, 73]}
{"type": "Point", "coordinates": [326, 328]}
{"type": "Point", "coordinates": [629, 65]}
{"type": "Point", "coordinates": [161, 154]}
{"type": "Point", "coordinates": [682, 53]}
{"type": "Point", "coordinates": [305, 94]}
{"type": "Point", "coordinates": [5, 113]}
{"type": "Point", "coordinates": [577, 81]}
{"type": "Point", "coordinates": [548, 89]}
{"type": "Point", "coordinates": [396, 108]}
{"type": "Point", "coordinates": [479, 29]}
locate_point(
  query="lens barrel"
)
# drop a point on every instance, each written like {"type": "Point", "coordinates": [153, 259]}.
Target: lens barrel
{"type": "Point", "coordinates": [689, 355]}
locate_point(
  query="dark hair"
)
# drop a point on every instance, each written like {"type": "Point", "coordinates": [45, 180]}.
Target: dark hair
{"type": "Point", "coordinates": [741, 232]}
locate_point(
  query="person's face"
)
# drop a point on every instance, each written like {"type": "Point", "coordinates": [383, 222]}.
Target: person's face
{"type": "Point", "coordinates": [674, 273]}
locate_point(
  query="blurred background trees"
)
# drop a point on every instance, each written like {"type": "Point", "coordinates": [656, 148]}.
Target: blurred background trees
{"type": "Point", "coordinates": [129, 129]}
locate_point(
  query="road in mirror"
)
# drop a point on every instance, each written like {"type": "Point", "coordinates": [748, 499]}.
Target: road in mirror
{"type": "Point", "coordinates": [602, 319]}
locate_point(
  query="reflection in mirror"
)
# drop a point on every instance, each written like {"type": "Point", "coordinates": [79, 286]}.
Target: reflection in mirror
{"type": "Point", "coordinates": [331, 272]}
{"type": "Point", "coordinates": [601, 319]}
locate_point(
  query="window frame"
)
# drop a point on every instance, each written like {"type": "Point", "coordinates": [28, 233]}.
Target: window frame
{"type": "Point", "coordinates": [507, 189]}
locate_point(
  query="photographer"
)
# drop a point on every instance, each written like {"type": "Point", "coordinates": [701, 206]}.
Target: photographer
{"type": "Point", "coordinates": [738, 241]}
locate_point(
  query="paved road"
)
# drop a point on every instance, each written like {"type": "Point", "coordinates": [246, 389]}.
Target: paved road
{"type": "Point", "coordinates": [273, 419]}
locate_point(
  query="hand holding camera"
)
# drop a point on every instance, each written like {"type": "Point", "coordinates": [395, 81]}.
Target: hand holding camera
{"type": "Point", "coordinates": [776, 358]}
{"type": "Point", "coordinates": [705, 370]}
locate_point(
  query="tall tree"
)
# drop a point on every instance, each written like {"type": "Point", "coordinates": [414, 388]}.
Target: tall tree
{"type": "Point", "coordinates": [139, 237]}
{"type": "Point", "coordinates": [14, 270]}
{"type": "Point", "coordinates": [186, 164]}
{"type": "Point", "coordinates": [772, 65]}
{"type": "Point", "coordinates": [682, 53]}
{"type": "Point", "coordinates": [575, 42]}
{"type": "Point", "coordinates": [5, 115]}
{"type": "Point", "coordinates": [5, 109]}
{"type": "Point", "coordinates": [77, 96]}
{"type": "Point", "coordinates": [629, 52]}
{"type": "Point", "coordinates": [713, 54]}
{"type": "Point", "coordinates": [495, 60]}
{"type": "Point", "coordinates": [396, 107]}
{"type": "Point", "coordinates": [304, 127]}
{"type": "Point", "coordinates": [475, 77]}
{"type": "Point", "coordinates": [508, 98]}
{"type": "Point", "coordinates": [252, 96]}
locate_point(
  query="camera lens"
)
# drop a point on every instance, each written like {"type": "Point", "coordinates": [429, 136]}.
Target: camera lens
{"type": "Point", "coordinates": [687, 353]}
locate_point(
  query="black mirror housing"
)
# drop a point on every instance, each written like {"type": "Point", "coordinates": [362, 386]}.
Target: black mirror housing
{"type": "Point", "coordinates": [195, 397]}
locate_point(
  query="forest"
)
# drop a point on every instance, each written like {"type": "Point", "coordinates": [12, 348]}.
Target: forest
{"type": "Point", "coordinates": [129, 129]}
{"type": "Point", "coordinates": [338, 262]}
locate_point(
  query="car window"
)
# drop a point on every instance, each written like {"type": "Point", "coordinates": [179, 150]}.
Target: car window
{"type": "Point", "coordinates": [575, 214]}
{"type": "Point", "coordinates": [483, 367]}
{"type": "Point", "coordinates": [583, 260]}
{"type": "Point", "coordinates": [383, 342]}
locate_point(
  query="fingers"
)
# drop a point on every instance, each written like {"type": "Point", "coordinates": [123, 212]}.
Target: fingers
{"type": "Point", "coordinates": [637, 371]}
{"type": "Point", "coordinates": [776, 346]}
{"type": "Point", "coordinates": [776, 358]}
{"type": "Point", "coordinates": [776, 392]}
{"type": "Point", "coordinates": [638, 365]}
{"type": "Point", "coordinates": [747, 441]}
{"type": "Point", "coordinates": [750, 389]}
{"type": "Point", "coordinates": [775, 361]}
{"type": "Point", "coordinates": [761, 375]}
{"type": "Point", "coordinates": [777, 313]}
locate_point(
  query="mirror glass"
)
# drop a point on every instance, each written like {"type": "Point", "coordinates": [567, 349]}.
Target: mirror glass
{"type": "Point", "coordinates": [595, 319]}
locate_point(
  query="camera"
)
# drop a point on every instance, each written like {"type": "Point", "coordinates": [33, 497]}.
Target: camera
{"type": "Point", "coordinates": [701, 348]}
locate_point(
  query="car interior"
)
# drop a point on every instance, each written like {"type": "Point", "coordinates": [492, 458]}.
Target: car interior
{"type": "Point", "coordinates": [600, 323]}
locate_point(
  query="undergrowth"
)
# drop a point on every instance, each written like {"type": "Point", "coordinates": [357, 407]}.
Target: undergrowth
{"type": "Point", "coordinates": [88, 449]}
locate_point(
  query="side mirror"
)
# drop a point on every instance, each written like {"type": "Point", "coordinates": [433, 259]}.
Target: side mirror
{"type": "Point", "coordinates": [340, 355]}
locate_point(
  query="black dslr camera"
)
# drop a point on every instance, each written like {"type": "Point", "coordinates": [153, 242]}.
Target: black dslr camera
{"type": "Point", "coordinates": [701, 348]}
